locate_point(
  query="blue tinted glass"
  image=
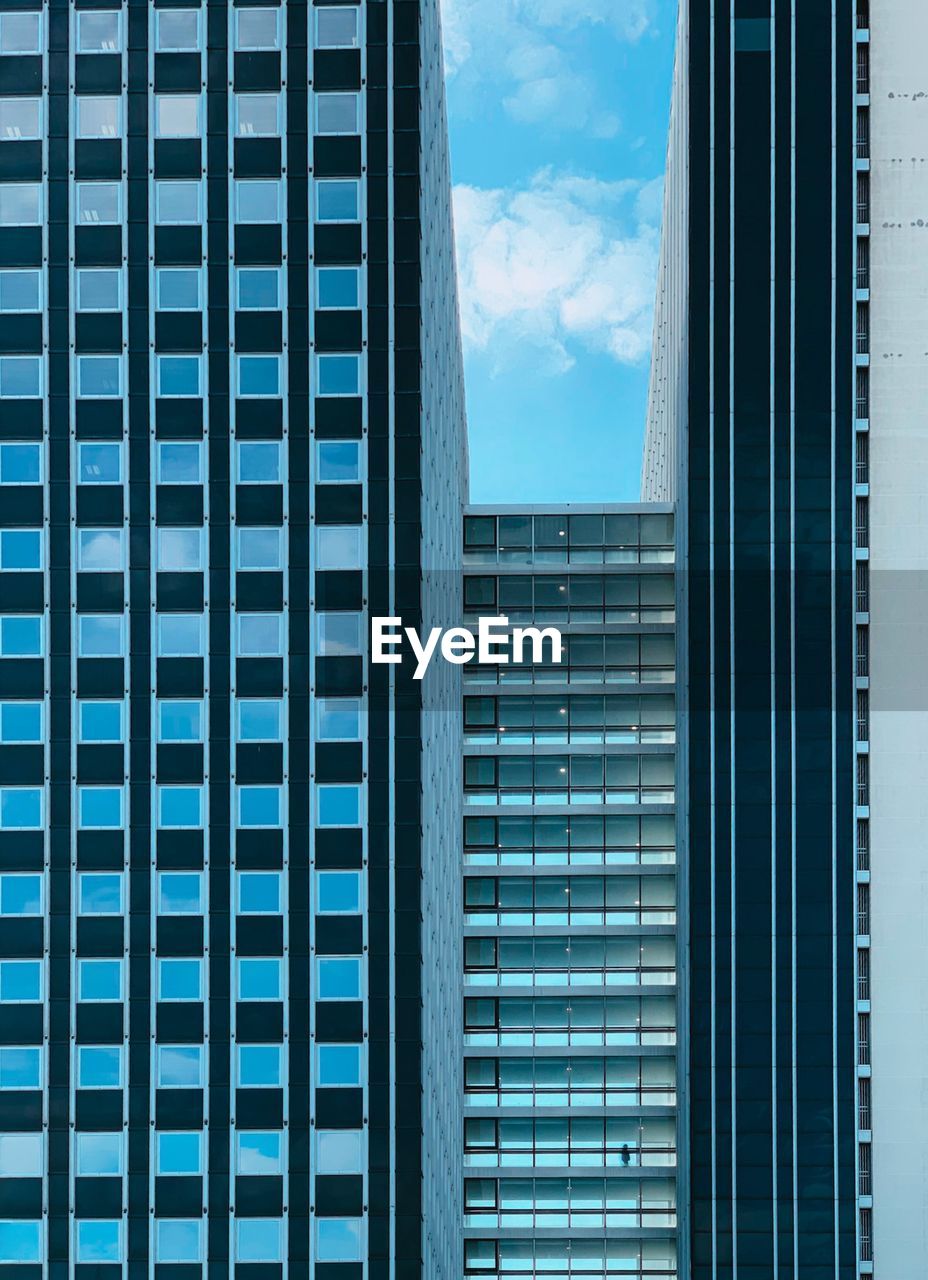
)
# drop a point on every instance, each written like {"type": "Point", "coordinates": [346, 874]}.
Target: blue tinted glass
{"type": "Point", "coordinates": [338, 891]}
{"type": "Point", "coordinates": [180, 721]}
{"type": "Point", "coordinates": [98, 376]}
{"type": "Point", "coordinates": [178, 376]}
{"type": "Point", "coordinates": [338, 1240]}
{"type": "Point", "coordinates": [101, 721]}
{"type": "Point", "coordinates": [258, 376]}
{"type": "Point", "coordinates": [259, 463]}
{"type": "Point", "coordinates": [178, 1153]}
{"type": "Point", "coordinates": [20, 464]}
{"type": "Point", "coordinates": [21, 637]}
{"type": "Point", "coordinates": [259, 1065]}
{"type": "Point", "coordinates": [179, 290]}
{"type": "Point", "coordinates": [99, 1068]}
{"type": "Point", "coordinates": [180, 892]}
{"type": "Point", "coordinates": [339, 460]}
{"type": "Point", "coordinates": [20, 980]}
{"type": "Point", "coordinates": [20, 376]}
{"type": "Point", "coordinates": [339, 806]}
{"type": "Point", "coordinates": [259, 979]}
{"type": "Point", "coordinates": [180, 1066]}
{"type": "Point", "coordinates": [21, 722]}
{"type": "Point", "coordinates": [180, 979]}
{"type": "Point", "coordinates": [259, 891]}
{"type": "Point", "coordinates": [101, 894]}
{"type": "Point", "coordinates": [338, 287]}
{"type": "Point", "coordinates": [339, 978]}
{"type": "Point", "coordinates": [339, 1064]}
{"type": "Point", "coordinates": [20, 1241]}
{"type": "Point", "coordinates": [337, 201]}
{"type": "Point", "coordinates": [339, 375]}
{"type": "Point", "coordinates": [259, 807]}
{"type": "Point", "coordinates": [20, 1068]}
{"type": "Point", "coordinates": [20, 809]}
{"type": "Point", "coordinates": [99, 979]}
{"type": "Point", "coordinates": [257, 289]}
{"type": "Point", "coordinates": [100, 807]}
{"type": "Point", "coordinates": [21, 895]}
{"type": "Point", "coordinates": [339, 718]}
{"type": "Point", "coordinates": [97, 1241]}
{"type": "Point", "coordinates": [259, 721]}
{"type": "Point", "coordinates": [20, 549]}
{"type": "Point", "coordinates": [179, 462]}
{"type": "Point", "coordinates": [180, 807]}
{"type": "Point", "coordinates": [258, 1153]}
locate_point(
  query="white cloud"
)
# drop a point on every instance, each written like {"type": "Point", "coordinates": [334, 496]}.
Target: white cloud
{"type": "Point", "coordinates": [565, 263]}
{"type": "Point", "coordinates": [509, 42]}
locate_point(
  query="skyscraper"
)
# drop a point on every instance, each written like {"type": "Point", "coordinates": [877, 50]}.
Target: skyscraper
{"type": "Point", "coordinates": [758, 416]}
{"type": "Point", "coordinates": [231, 426]}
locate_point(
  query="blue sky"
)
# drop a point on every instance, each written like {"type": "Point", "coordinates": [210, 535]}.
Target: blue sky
{"type": "Point", "coordinates": [558, 113]}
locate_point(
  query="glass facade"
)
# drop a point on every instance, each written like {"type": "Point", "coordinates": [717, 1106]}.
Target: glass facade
{"type": "Point", "coordinates": [570, 900]}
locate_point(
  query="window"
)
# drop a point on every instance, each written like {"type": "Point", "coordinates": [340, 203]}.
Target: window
{"type": "Point", "coordinates": [99, 203]}
{"type": "Point", "coordinates": [339, 547]}
{"type": "Point", "coordinates": [20, 290]}
{"type": "Point", "coordinates": [178, 1153]}
{"type": "Point", "coordinates": [338, 892]}
{"type": "Point", "coordinates": [260, 635]}
{"type": "Point", "coordinates": [177, 30]}
{"type": "Point", "coordinates": [338, 634]}
{"type": "Point", "coordinates": [338, 806]}
{"type": "Point", "coordinates": [180, 893]}
{"type": "Point", "coordinates": [100, 1066]}
{"type": "Point", "coordinates": [20, 33]}
{"type": "Point", "coordinates": [259, 462]}
{"type": "Point", "coordinates": [337, 112]}
{"type": "Point", "coordinates": [99, 117]}
{"type": "Point", "coordinates": [20, 118]}
{"type": "Point", "coordinates": [180, 979]}
{"type": "Point", "coordinates": [21, 1155]}
{"type": "Point", "coordinates": [338, 1065]}
{"type": "Point", "coordinates": [99, 463]}
{"type": "Point", "coordinates": [178, 375]}
{"type": "Point", "coordinates": [258, 288]}
{"type": "Point", "coordinates": [20, 808]}
{"type": "Point", "coordinates": [180, 635]}
{"type": "Point", "coordinates": [180, 807]}
{"type": "Point", "coordinates": [177, 115]}
{"type": "Point", "coordinates": [99, 893]}
{"type": "Point", "coordinates": [338, 375]}
{"type": "Point", "coordinates": [20, 550]}
{"type": "Point", "coordinates": [180, 1066]}
{"type": "Point", "coordinates": [98, 31]}
{"type": "Point", "coordinates": [99, 376]}
{"type": "Point", "coordinates": [20, 1068]}
{"type": "Point", "coordinates": [100, 721]}
{"type": "Point", "coordinates": [98, 1155]}
{"type": "Point", "coordinates": [338, 719]}
{"type": "Point", "coordinates": [257, 115]}
{"type": "Point", "coordinates": [259, 806]}
{"type": "Point", "coordinates": [259, 1066]}
{"type": "Point", "coordinates": [99, 808]}
{"type": "Point", "coordinates": [337, 28]}
{"type": "Point", "coordinates": [180, 550]}
{"type": "Point", "coordinates": [20, 981]}
{"type": "Point", "coordinates": [257, 28]}
{"type": "Point", "coordinates": [338, 287]}
{"type": "Point", "coordinates": [100, 550]}
{"type": "Point", "coordinates": [21, 721]}
{"type": "Point", "coordinates": [260, 979]}
{"type": "Point", "coordinates": [99, 290]}
{"type": "Point", "coordinates": [259, 548]}
{"type": "Point", "coordinates": [178, 288]}
{"type": "Point", "coordinates": [98, 1240]}
{"type": "Point", "coordinates": [338, 978]}
{"type": "Point", "coordinates": [258, 375]}
{"type": "Point", "coordinates": [258, 1240]}
{"type": "Point", "coordinates": [179, 1240]}
{"type": "Point", "coordinates": [338, 461]}
{"type": "Point", "coordinates": [258, 1153]}
{"type": "Point", "coordinates": [338, 200]}
{"type": "Point", "coordinates": [21, 377]}
{"type": "Point", "coordinates": [259, 720]}
{"type": "Point", "coordinates": [180, 721]}
{"type": "Point", "coordinates": [20, 895]}
{"type": "Point", "coordinates": [338, 1239]}
{"type": "Point", "coordinates": [20, 1240]}
{"type": "Point", "coordinates": [99, 980]}
{"type": "Point", "coordinates": [180, 462]}
{"type": "Point", "coordinates": [259, 892]}
{"type": "Point", "coordinates": [20, 204]}
{"type": "Point", "coordinates": [21, 636]}
{"type": "Point", "coordinates": [100, 635]}
{"type": "Point", "coordinates": [257, 201]}
{"type": "Point", "coordinates": [339, 1151]}
{"type": "Point", "coordinates": [177, 202]}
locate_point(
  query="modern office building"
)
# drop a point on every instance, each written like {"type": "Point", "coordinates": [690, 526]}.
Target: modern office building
{"type": "Point", "coordinates": [231, 425]}
{"type": "Point", "coordinates": [758, 427]}
{"type": "Point", "coordinates": [570, 900]}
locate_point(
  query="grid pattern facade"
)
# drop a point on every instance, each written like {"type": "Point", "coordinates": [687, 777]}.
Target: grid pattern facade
{"type": "Point", "coordinates": [211, 422]}
{"type": "Point", "coordinates": [570, 900]}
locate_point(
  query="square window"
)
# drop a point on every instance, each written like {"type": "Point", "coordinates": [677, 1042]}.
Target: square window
{"type": "Point", "coordinates": [178, 287]}
{"type": "Point", "coordinates": [98, 31]}
{"type": "Point", "coordinates": [180, 550]}
{"type": "Point", "coordinates": [99, 462]}
{"type": "Point", "coordinates": [22, 1155]}
{"type": "Point", "coordinates": [258, 288]}
{"type": "Point", "coordinates": [21, 722]}
{"type": "Point", "coordinates": [338, 892]}
{"type": "Point", "coordinates": [21, 377]}
{"type": "Point", "coordinates": [180, 979]}
{"type": "Point", "coordinates": [339, 547]}
{"type": "Point", "coordinates": [339, 978]}
{"type": "Point", "coordinates": [100, 721]}
{"type": "Point", "coordinates": [258, 375]}
{"type": "Point", "coordinates": [20, 981]}
{"type": "Point", "coordinates": [338, 375]}
{"type": "Point", "coordinates": [100, 635]}
{"type": "Point", "coordinates": [339, 1151]}
{"type": "Point", "coordinates": [180, 720]}
{"type": "Point", "coordinates": [99, 980]}
{"type": "Point", "coordinates": [337, 28]}
{"type": "Point", "coordinates": [259, 548]}
{"type": "Point", "coordinates": [338, 719]}
{"type": "Point", "coordinates": [98, 1155]}
{"type": "Point", "coordinates": [20, 550]}
{"type": "Point", "coordinates": [21, 204]}
{"type": "Point", "coordinates": [180, 893]}
{"type": "Point", "coordinates": [99, 808]}
{"type": "Point", "coordinates": [20, 291]}
{"type": "Point", "coordinates": [338, 461]}
{"type": "Point", "coordinates": [180, 1066]}
{"type": "Point", "coordinates": [180, 635]}
{"type": "Point", "coordinates": [178, 1240]}
{"type": "Point", "coordinates": [178, 375]}
{"type": "Point", "coordinates": [100, 893]}
{"type": "Point", "coordinates": [180, 462]}
{"type": "Point", "coordinates": [100, 550]}
{"type": "Point", "coordinates": [20, 1240]}
{"type": "Point", "coordinates": [258, 1153]}
{"type": "Point", "coordinates": [260, 978]}
{"type": "Point", "coordinates": [20, 894]}
{"type": "Point", "coordinates": [258, 1240]}
{"type": "Point", "coordinates": [99, 117]}
{"type": "Point", "coordinates": [177, 30]}
{"type": "Point", "coordinates": [20, 1067]}
{"type": "Point", "coordinates": [178, 1153]}
{"type": "Point", "coordinates": [20, 119]}
{"type": "Point", "coordinates": [338, 634]}
{"type": "Point", "coordinates": [257, 201]}
{"type": "Point", "coordinates": [339, 1239]}
{"type": "Point", "coordinates": [337, 112]}
{"type": "Point", "coordinates": [338, 805]}
{"type": "Point", "coordinates": [259, 806]}
{"type": "Point", "coordinates": [259, 720]}
{"type": "Point", "coordinates": [21, 808]}
{"type": "Point", "coordinates": [338, 288]}
{"type": "Point", "coordinates": [260, 635]}
{"type": "Point", "coordinates": [99, 290]}
{"type": "Point", "coordinates": [259, 462]}
{"type": "Point", "coordinates": [97, 1240]}
{"type": "Point", "coordinates": [177, 115]}
{"type": "Point", "coordinates": [21, 636]}
{"type": "Point", "coordinates": [99, 376]}
{"type": "Point", "coordinates": [257, 28]}
{"type": "Point", "coordinates": [177, 202]}
{"type": "Point", "coordinates": [259, 1066]}
{"type": "Point", "coordinates": [257, 115]}
{"type": "Point", "coordinates": [21, 32]}
{"type": "Point", "coordinates": [180, 808]}
{"type": "Point", "coordinates": [259, 892]}
{"type": "Point", "coordinates": [99, 203]}
{"type": "Point", "coordinates": [338, 200]}
{"type": "Point", "coordinates": [339, 1066]}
